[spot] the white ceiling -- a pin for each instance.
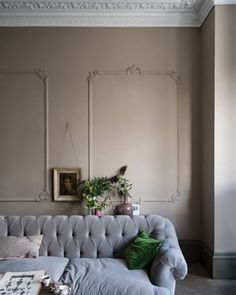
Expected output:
(106, 13)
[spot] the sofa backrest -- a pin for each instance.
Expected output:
(86, 236)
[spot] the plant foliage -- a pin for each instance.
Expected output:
(123, 187)
(95, 189)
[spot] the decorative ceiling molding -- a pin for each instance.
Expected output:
(98, 5)
(225, 2)
(106, 13)
(204, 10)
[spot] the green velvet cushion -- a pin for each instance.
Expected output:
(142, 251)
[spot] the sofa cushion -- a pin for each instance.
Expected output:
(54, 266)
(108, 276)
(14, 246)
(142, 251)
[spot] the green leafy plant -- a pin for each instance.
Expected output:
(123, 187)
(95, 192)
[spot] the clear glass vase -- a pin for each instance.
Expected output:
(91, 211)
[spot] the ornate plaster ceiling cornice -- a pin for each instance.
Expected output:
(106, 13)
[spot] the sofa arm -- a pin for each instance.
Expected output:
(168, 267)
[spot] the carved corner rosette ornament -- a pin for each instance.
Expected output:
(176, 196)
(43, 196)
(92, 76)
(41, 74)
(175, 76)
(133, 70)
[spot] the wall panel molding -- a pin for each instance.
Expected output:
(43, 77)
(135, 70)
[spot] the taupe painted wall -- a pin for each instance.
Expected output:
(218, 129)
(68, 54)
(225, 122)
(208, 102)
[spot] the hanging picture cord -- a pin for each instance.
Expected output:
(67, 129)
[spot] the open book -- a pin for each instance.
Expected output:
(21, 283)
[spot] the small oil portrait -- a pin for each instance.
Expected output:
(68, 184)
(65, 183)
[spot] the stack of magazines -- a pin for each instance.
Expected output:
(21, 283)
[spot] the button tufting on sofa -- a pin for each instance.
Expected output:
(91, 242)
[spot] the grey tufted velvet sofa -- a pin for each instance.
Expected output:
(87, 251)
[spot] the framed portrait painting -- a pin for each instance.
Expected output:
(65, 184)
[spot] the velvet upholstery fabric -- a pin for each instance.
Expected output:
(142, 251)
(108, 276)
(103, 237)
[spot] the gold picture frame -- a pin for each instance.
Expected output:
(65, 184)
